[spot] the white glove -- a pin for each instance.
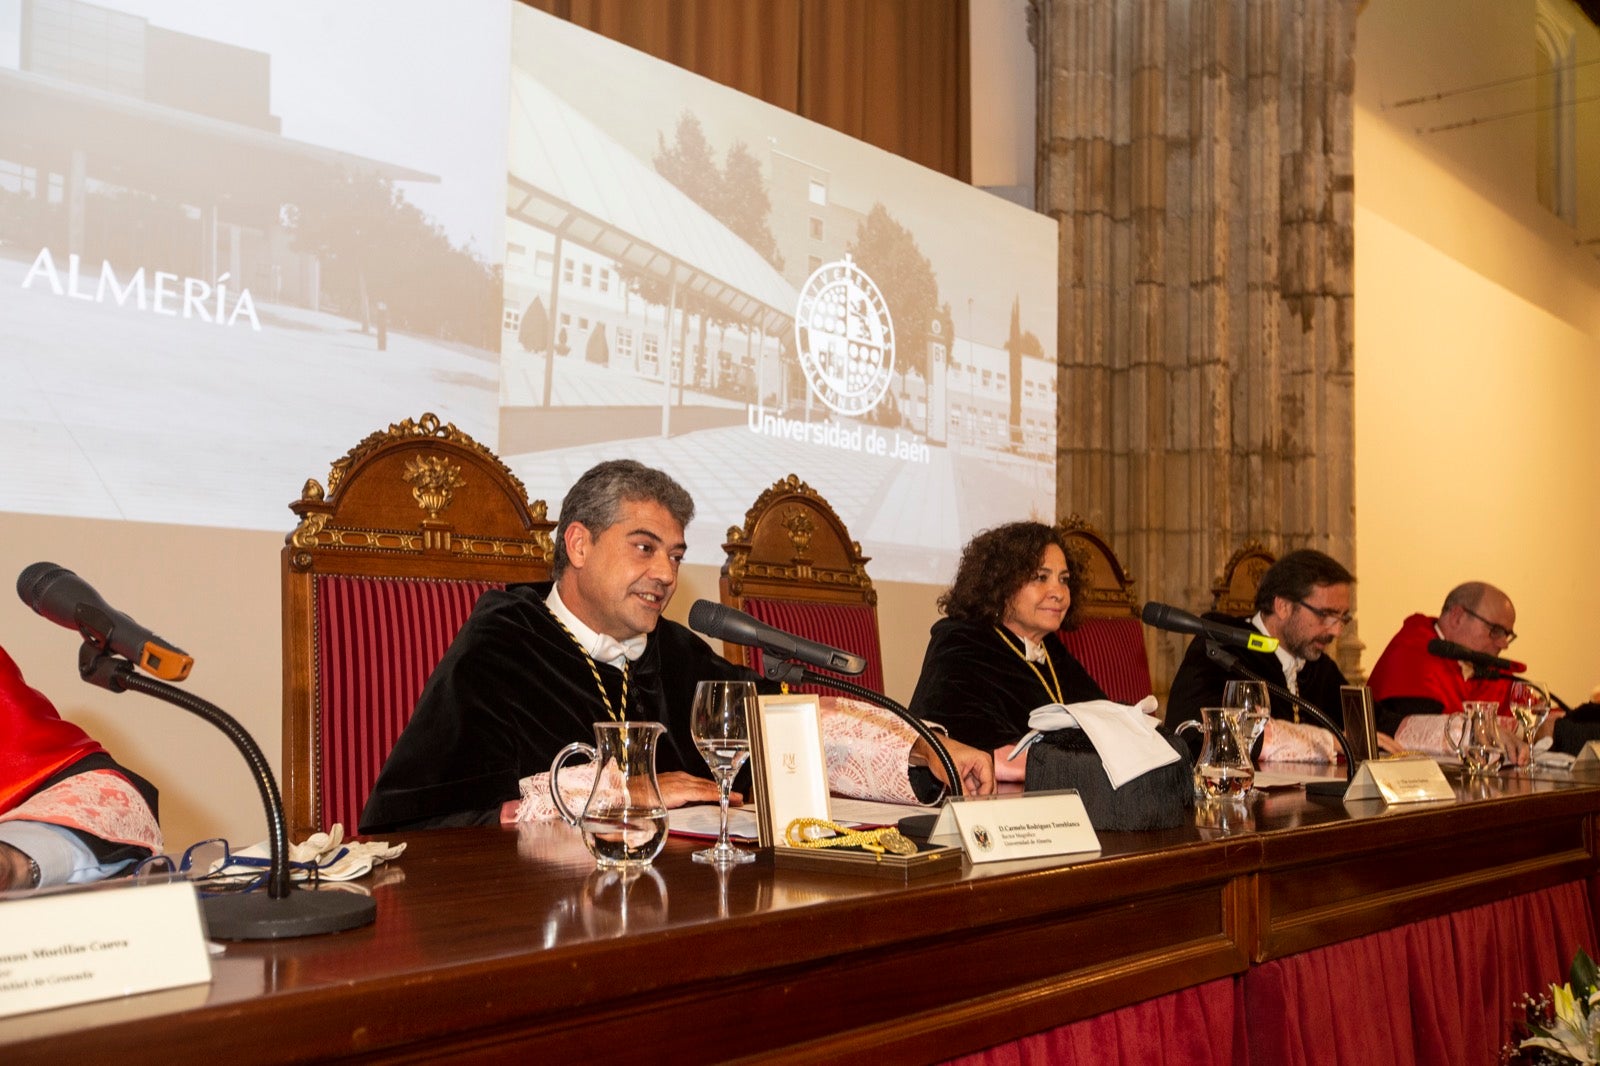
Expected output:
(335, 860)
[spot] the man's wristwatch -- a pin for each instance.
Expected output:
(34, 875)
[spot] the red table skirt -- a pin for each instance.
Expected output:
(1441, 991)
(1198, 1026)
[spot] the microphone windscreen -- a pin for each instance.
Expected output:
(1154, 614)
(705, 616)
(33, 579)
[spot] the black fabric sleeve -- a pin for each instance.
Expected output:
(1198, 683)
(1389, 713)
(982, 691)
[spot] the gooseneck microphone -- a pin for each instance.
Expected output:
(721, 622)
(786, 656)
(1173, 620)
(110, 640)
(68, 600)
(1449, 649)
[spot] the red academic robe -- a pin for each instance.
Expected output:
(1405, 670)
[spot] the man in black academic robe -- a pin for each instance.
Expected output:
(536, 666)
(1199, 681)
(513, 689)
(531, 672)
(1304, 601)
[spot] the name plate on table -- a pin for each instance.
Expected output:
(1027, 826)
(118, 939)
(1588, 759)
(1400, 781)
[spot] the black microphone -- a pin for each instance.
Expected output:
(68, 600)
(1175, 621)
(724, 623)
(1449, 649)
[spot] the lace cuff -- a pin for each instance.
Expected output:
(1286, 741)
(101, 803)
(868, 750)
(536, 804)
(1424, 732)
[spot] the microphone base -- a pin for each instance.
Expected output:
(1331, 788)
(257, 916)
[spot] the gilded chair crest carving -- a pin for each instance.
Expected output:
(419, 504)
(1234, 590)
(793, 554)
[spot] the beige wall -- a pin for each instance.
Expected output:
(1477, 341)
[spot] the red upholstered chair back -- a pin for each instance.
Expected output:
(794, 566)
(1109, 638)
(851, 627)
(382, 570)
(377, 639)
(1112, 650)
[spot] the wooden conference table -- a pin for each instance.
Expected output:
(491, 943)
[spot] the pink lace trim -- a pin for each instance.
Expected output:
(866, 748)
(101, 803)
(1425, 732)
(1286, 741)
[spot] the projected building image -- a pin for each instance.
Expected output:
(697, 279)
(181, 277)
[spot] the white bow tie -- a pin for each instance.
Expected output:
(610, 649)
(1034, 653)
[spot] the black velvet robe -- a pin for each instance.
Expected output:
(1199, 681)
(982, 691)
(512, 690)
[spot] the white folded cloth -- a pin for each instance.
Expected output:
(1124, 735)
(336, 859)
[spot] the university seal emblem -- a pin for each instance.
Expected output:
(845, 337)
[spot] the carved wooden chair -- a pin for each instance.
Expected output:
(1234, 592)
(384, 567)
(1109, 638)
(794, 566)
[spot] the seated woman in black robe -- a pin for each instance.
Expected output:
(995, 656)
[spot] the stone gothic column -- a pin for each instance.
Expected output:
(1197, 156)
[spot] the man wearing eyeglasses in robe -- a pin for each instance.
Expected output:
(1303, 601)
(1412, 688)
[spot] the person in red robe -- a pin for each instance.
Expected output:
(1411, 688)
(68, 812)
(1408, 681)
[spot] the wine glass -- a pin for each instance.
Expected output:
(1530, 706)
(720, 724)
(1252, 706)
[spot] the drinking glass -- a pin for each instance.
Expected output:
(1530, 706)
(720, 723)
(1253, 706)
